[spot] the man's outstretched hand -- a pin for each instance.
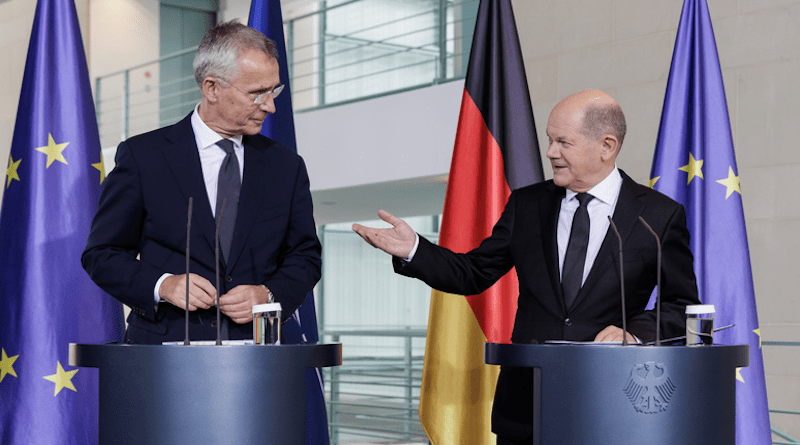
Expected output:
(397, 241)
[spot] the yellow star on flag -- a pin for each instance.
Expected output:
(62, 379)
(739, 375)
(694, 168)
(53, 150)
(652, 182)
(758, 332)
(101, 167)
(11, 171)
(7, 365)
(731, 182)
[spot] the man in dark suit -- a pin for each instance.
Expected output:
(268, 244)
(557, 235)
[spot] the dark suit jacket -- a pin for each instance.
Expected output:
(142, 211)
(525, 237)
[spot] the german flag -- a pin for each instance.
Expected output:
(496, 151)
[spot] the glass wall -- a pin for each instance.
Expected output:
(338, 51)
(380, 317)
(345, 50)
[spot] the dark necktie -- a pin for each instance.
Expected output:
(228, 185)
(575, 258)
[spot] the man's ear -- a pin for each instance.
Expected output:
(211, 89)
(610, 147)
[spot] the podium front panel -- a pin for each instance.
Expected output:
(203, 394)
(601, 394)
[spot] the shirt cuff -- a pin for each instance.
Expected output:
(414, 250)
(158, 286)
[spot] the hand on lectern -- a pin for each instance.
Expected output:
(613, 334)
(397, 240)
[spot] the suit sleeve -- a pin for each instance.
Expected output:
(300, 264)
(465, 273)
(678, 283)
(111, 252)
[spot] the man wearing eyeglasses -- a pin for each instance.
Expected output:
(253, 188)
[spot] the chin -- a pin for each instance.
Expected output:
(560, 181)
(251, 130)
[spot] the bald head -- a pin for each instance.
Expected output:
(586, 131)
(601, 114)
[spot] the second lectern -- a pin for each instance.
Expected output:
(604, 394)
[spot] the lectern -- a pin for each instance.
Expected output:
(609, 394)
(241, 394)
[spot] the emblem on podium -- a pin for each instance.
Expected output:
(649, 387)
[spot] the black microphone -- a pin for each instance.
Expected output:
(216, 256)
(658, 282)
(621, 285)
(188, 240)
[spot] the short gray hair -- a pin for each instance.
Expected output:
(221, 47)
(604, 119)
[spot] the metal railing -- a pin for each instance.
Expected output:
(374, 395)
(788, 439)
(398, 46)
(337, 53)
(783, 434)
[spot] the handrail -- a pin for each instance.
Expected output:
(775, 430)
(420, 46)
(376, 332)
(780, 343)
(159, 60)
(381, 392)
(783, 434)
(322, 10)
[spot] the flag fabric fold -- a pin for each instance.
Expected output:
(53, 181)
(694, 163)
(301, 328)
(495, 151)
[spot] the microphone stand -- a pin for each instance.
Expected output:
(621, 284)
(216, 255)
(658, 282)
(188, 241)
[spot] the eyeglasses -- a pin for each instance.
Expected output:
(259, 98)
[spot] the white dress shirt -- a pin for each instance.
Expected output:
(600, 208)
(211, 157)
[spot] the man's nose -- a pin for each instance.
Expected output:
(268, 104)
(552, 151)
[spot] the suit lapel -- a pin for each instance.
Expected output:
(183, 159)
(549, 208)
(626, 216)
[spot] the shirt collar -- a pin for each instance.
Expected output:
(607, 190)
(204, 135)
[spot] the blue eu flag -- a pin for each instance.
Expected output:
(265, 16)
(694, 164)
(52, 185)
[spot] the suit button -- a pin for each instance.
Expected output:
(229, 278)
(568, 322)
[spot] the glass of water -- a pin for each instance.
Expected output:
(700, 324)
